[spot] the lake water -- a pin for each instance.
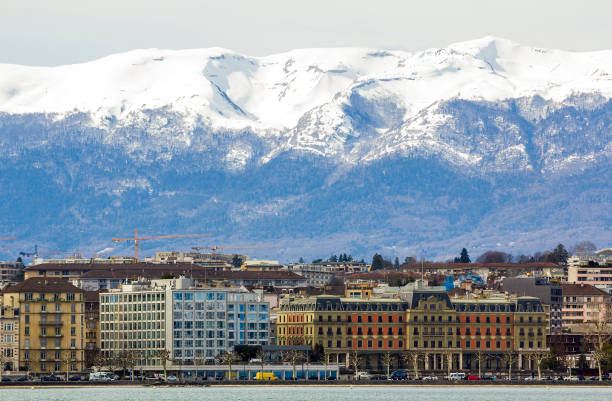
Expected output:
(313, 393)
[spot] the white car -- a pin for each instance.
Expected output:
(362, 376)
(430, 378)
(172, 378)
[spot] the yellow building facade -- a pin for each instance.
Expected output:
(51, 324)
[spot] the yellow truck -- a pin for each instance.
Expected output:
(265, 376)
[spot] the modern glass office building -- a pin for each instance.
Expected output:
(196, 324)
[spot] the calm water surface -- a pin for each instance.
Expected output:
(311, 393)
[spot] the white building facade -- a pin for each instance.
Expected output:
(193, 324)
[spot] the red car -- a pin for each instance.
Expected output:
(474, 378)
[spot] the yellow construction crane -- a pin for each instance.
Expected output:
(137, 239)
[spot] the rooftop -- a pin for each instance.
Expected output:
(582, 289)
(42, 284)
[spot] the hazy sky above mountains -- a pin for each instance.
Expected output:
(44, 32)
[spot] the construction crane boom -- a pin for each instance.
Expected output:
(8, 238)
(213, 249)
(137, 239)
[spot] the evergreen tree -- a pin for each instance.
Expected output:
(332, 258)
(560, 254)
(301, 260)
(349, 258)
(464, 258)
(377, 262)
(237, 261)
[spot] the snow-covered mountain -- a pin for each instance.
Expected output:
(282, 148)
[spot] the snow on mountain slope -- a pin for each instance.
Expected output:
(233, 91)
(475, 144)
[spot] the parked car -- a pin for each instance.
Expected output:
(172, 378)
(486, 377)
(473, 377)
(362, 375)
(456, 376)
(6, 379)
(430, 378)
(23, 379)
(74, 378)
(50, 378)
(378, 377)
(399, 375)
(331, 378)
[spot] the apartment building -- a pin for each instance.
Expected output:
(583, 303)
(190, 322)
(9, 339)
(443, 330)
(550, 293)
(595, 272)
(50, 314)
(10, 273)
(134, 318)
(92, 326)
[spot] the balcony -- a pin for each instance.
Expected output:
(51, 323)
(51, 335)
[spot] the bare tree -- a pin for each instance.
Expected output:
(449, 361)
(227, 358)
(481, 357)
(386, 360)
(122, 362)
(261, 355)
(510, 359)
(131, 358)
(412, 357)
(325, 362)
(99, 361)
(197, 361)
(537, 357)
(164, 357)
(293, 356)
(67, 359)
(583, 248)
(3, 360)
(598, 333)
(355, 362)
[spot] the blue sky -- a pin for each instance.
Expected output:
(55, 32)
